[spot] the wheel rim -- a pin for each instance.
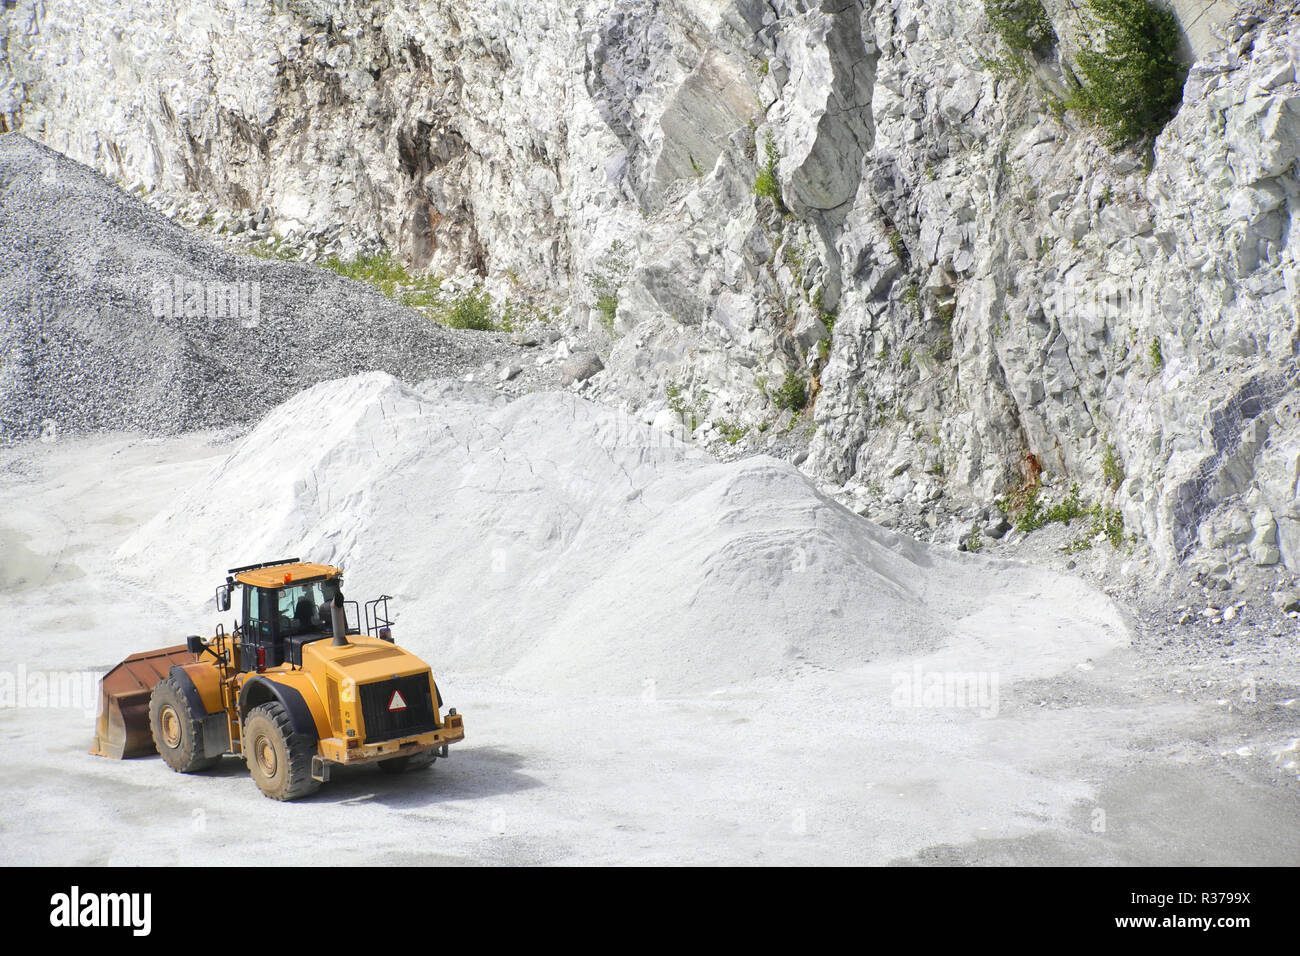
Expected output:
(171, 728)
(267, 760)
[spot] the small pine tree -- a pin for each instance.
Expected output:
(766, 184)
(1132, 73)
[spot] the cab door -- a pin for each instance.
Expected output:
(259, 628)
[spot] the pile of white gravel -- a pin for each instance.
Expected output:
(558, 542)
(112, 316)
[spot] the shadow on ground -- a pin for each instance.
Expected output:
(471, 773)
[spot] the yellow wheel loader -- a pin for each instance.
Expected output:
(296, 688)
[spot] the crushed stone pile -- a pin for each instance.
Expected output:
(561, 543)
(112, 316)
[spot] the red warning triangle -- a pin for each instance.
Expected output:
(396, 702)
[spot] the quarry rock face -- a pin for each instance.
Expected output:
(977, 293)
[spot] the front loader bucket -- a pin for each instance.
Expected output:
(122, 727)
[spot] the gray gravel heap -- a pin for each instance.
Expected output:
(88, 275)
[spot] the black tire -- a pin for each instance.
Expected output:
(418, 761)
(177, 731)
(278, 759)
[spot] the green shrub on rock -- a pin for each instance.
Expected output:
(1131, 71)
(1023, 24)
(792, 395)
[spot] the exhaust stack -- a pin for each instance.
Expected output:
(338, 621)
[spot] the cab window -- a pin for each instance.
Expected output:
(301, 608)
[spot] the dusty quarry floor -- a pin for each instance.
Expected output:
(1089, 754)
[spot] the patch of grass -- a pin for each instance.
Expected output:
(792, 395)
(1110, 522)
(1106, 522)
(1067, 509)
(272, 249)
(607, 281)
(1079, 544)
(897, 245)
(381, 271)
(732, 430)
(607, 306)
(422, 299)
(1024, 509)
(1132, 72)
(691, 413)
(945, 313)
(766, 184)
(468, 310)
(472, 310)
(1157, 357)
(676, 400)
(1023, 25)
(973, 541)
(517, 314)
(794, 257)
(1029, 512)
(1111, 469)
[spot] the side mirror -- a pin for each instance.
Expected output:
(223, 598)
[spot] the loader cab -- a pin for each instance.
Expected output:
(283, 607)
